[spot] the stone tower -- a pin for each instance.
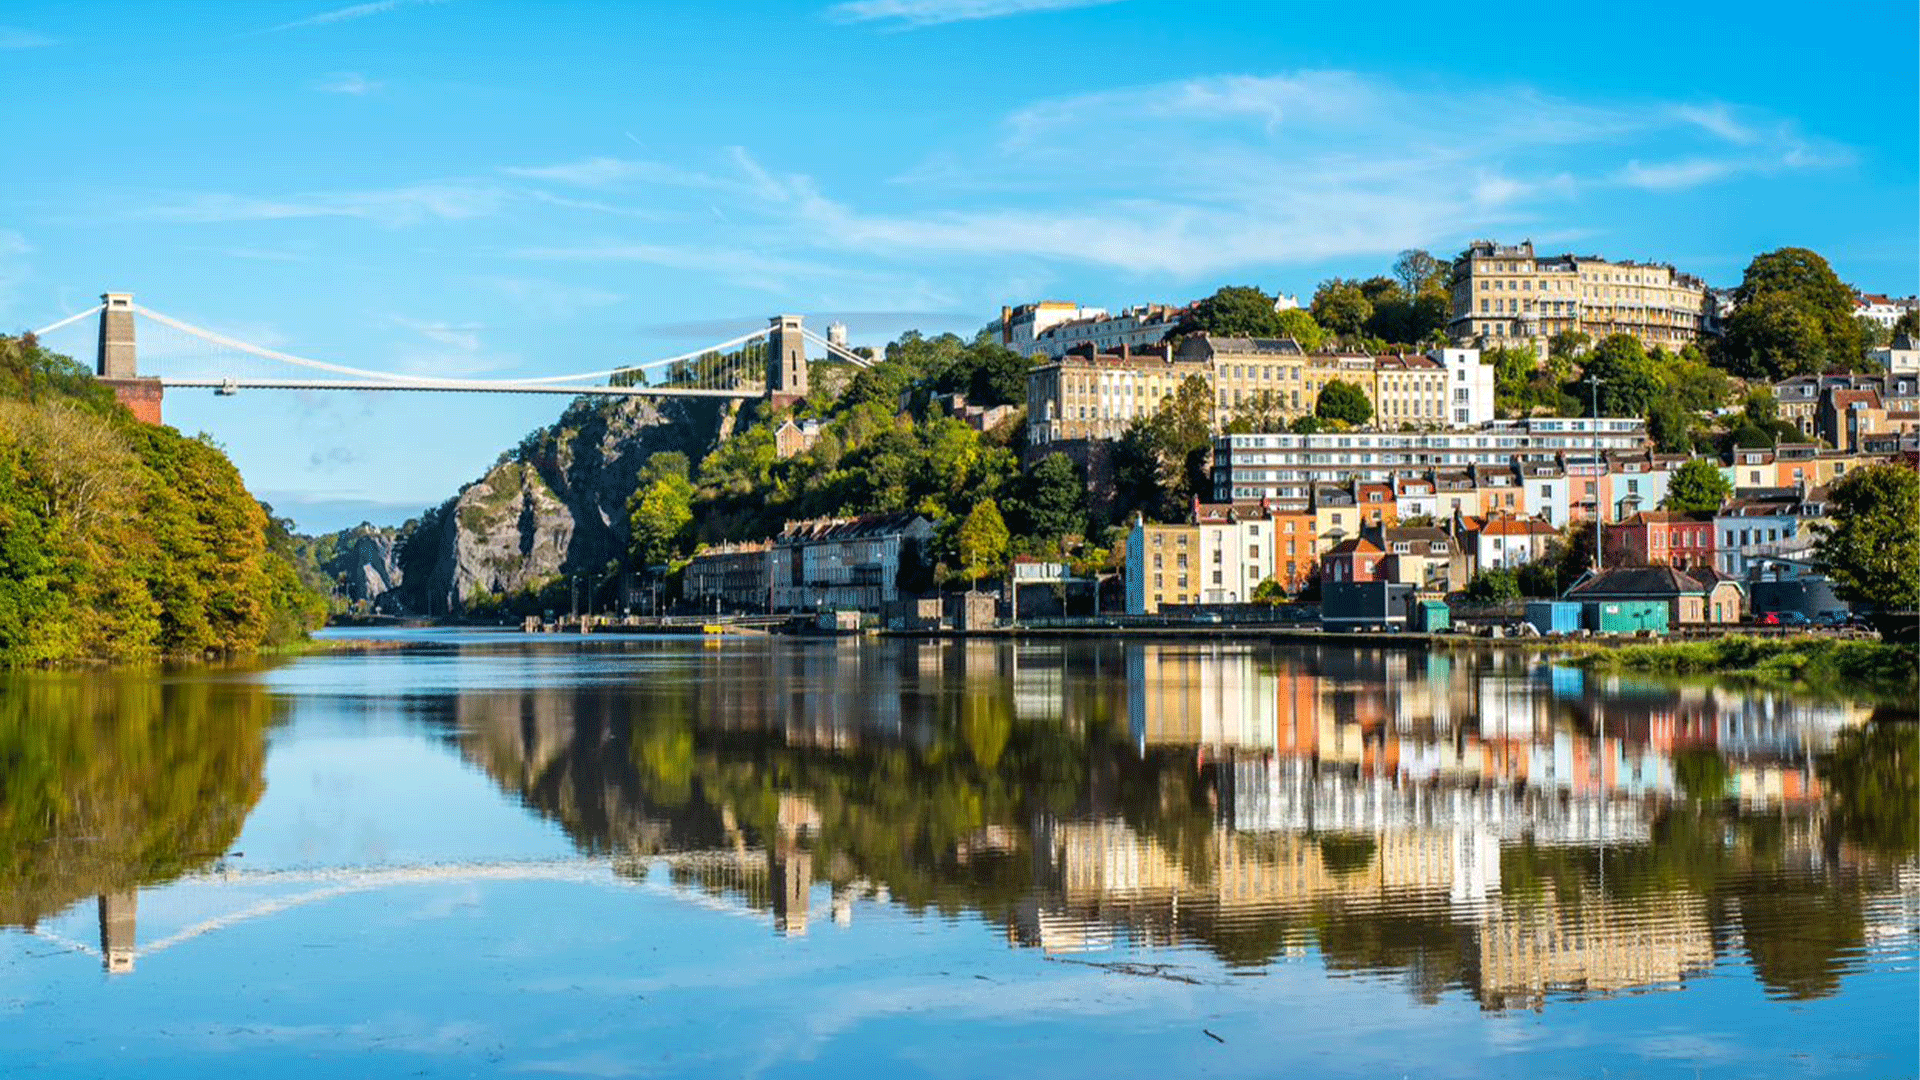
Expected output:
(786, 360)
(117, 364)
(116, 359)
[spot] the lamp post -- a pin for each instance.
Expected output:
(1599, 473)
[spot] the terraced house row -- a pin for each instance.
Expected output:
(1095, 395)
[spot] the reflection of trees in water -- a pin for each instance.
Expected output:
(937, 787)
(1874, 774)
(110, 782)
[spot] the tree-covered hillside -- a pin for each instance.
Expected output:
(126, 541)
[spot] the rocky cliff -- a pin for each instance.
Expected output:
(553, 506)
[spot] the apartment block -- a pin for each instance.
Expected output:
(1284, 467)
(1508, 296)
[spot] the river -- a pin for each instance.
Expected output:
(488, 854)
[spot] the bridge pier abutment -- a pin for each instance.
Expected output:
(117, 364)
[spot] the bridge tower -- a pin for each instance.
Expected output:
(118, 913)
(117, 364)
(786, 361)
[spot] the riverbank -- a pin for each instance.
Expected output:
(1852, 665)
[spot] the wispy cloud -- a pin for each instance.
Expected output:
(1675, 175)
(391, 207)
(1251, 171)
(912, 13)
(550, 299)
(13, 37)
(351, 83)
(348, 14)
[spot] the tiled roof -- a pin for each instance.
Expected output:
(1638, 581)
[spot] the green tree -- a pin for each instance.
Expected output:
(1343, 401)
(1670, 426)
(1872, 334)
(1568, 344)
(1538, 579)
(660, 511)
(1493, 586)
(982, 541)
(1630, 380)
(1340, 306)
(1235, 311)
(1872, 547)
(1697, 485)
(1049, 500)
(1908, 324)
(1305, 425)
(1269, 592)
(1418, 271)
(1297, 324)
(1792, 316)
(1163, 459)
(1513, 372)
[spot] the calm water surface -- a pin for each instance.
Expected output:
(494, 855)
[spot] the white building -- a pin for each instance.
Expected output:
(844, 564)
(1284, 466)
(1021, 326)
(1900, 358)
(1140, 327)
(1469, 386)
(1884, 310)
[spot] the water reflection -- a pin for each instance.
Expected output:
(1476, 822)
(109, 784)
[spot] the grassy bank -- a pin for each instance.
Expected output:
(1863, 667)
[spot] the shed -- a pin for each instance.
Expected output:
(1554, 616)
(1433, 616)
(1626, 616)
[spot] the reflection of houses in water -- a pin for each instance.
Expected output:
(1104, 875)
(1416, 717)
(1595, 944)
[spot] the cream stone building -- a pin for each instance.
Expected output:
(1507, 296)
(1081, 396)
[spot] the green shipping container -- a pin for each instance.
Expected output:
(1626, 616)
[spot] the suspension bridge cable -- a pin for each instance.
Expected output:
(68, 321)
(683, 357)
(848, 355)
(272, 354)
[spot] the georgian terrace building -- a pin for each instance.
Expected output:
(1086, 395)
(1507, 296)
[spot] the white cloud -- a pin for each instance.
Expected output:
(550, 299)
(351, 83)
(1674, 175)
(391, 207)
(13, 37)
(911, 13)
(348, 14)
(1236, 171)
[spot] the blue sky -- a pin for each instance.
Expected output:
(496, 189)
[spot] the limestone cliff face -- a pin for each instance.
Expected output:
(554, 505)
(365, 566)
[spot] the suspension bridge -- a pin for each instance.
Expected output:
(770, 362)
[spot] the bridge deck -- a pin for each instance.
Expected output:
(451, 386)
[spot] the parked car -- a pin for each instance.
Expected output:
(1837, 620)
(1794, 619)
(1767, 618)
